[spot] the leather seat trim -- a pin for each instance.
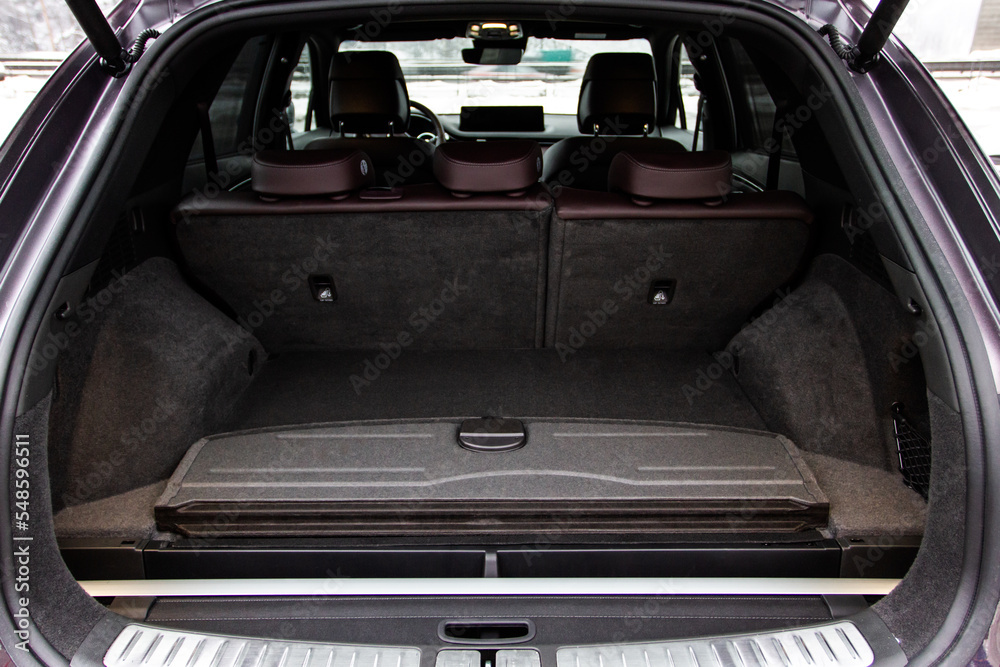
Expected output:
(575, 204)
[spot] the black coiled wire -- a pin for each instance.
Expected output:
(843, 48)
(139, 45)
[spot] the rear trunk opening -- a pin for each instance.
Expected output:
(382, 389)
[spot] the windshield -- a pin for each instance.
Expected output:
(548, 75)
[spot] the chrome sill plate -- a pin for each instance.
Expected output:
(155, 647)
(838, 643)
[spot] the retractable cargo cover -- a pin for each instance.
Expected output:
(411, 478)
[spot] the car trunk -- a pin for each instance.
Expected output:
(780, 451)
(420, 441)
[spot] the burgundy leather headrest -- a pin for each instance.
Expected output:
(700, 175)
(367, 92)
(488, 166)
(302, 173)
(618, 94)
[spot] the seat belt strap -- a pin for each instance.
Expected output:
(289, 143)
(777, 136)
(207, 141)
(680, 107)
(697, 121)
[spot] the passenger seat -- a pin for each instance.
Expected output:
(669, 258)
(617, 99)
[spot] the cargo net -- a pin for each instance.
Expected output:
(914, 450)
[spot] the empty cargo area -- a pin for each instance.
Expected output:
(172, 423)
(186, 423)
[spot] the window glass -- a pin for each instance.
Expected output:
(761, 106)
(689, 94)
(231, 112)
(548, 75)
(301, 87)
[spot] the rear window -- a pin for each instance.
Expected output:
(548, 75)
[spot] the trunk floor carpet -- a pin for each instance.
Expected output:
(413, 478)
(302, 388)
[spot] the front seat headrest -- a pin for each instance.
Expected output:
(368, 93)
(618, 94)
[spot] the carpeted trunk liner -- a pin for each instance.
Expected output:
(311, 387)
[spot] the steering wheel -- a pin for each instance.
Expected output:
(439, 136)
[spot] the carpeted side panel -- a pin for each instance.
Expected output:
(804, 368)
(155, 369)
(63, 612)
(126, 515)
(866, 501)
(918, 606)
(889, 341)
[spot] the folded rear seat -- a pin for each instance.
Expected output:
(668, 258)
(314, 258)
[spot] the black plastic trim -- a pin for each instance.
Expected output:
(96, 559)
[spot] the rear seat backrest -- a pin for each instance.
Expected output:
(419, 266)
(670, 223)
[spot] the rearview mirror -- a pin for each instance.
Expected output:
(492, 55)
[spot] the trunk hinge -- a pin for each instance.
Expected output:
(115, 59)
(867, 53)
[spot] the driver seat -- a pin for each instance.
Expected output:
(368, 99)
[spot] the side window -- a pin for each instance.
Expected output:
(759, 126)
(300, 111)
(689, 93)
(231, 112)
